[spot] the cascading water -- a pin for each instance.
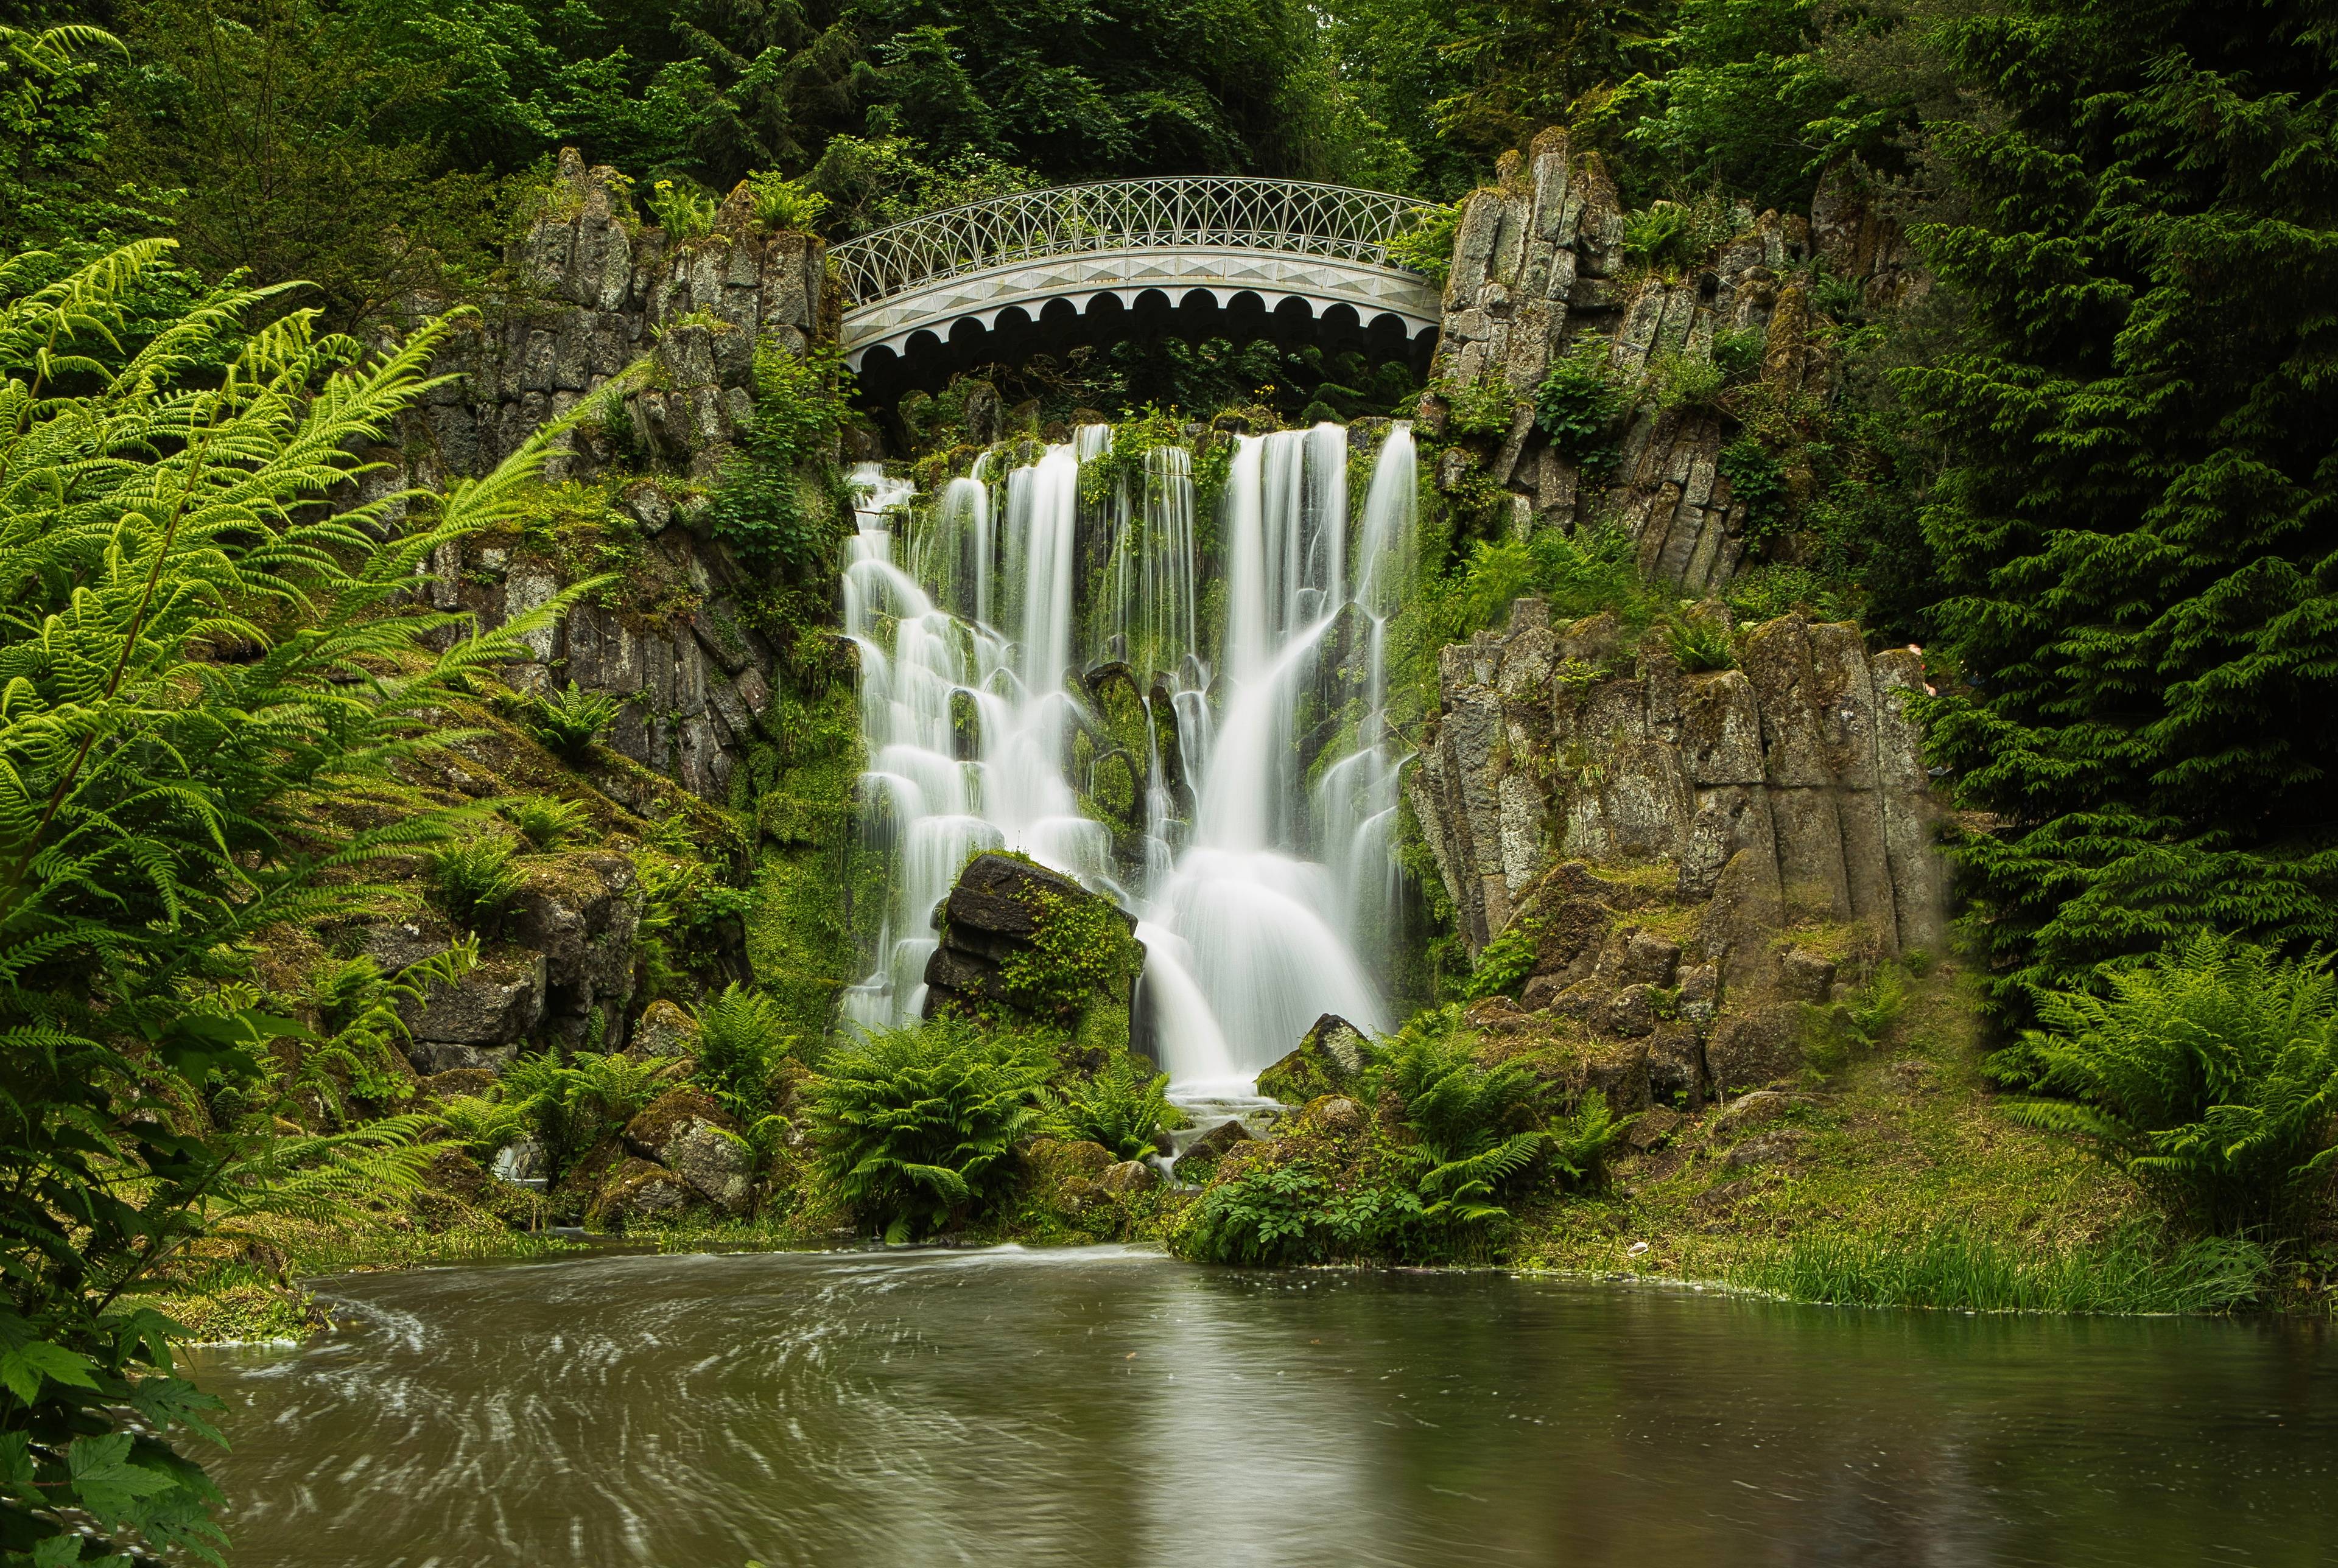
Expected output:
(1262, 902)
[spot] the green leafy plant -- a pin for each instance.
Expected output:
(1659, 236)
(1700, 642)
(1578, 404)
(780, 503)
(164, 808)
(742, 1036)
(1124, 1107)
(1684, 381)
(483, 1125)
(2208, 1074)
(1756, 484)
(570, 719)
(1504, 963)
(1483, 408)
(785, 205)
(1474, 1127)
(574, 1105)
(682, 211)
(545, 821)
(475, 881)
(1081, 947)
(1279, 1215)
(1427, 245)
(914, 1125)
(1952, 1267)
(1738, 352)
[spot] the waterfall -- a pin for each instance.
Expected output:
(990, 623)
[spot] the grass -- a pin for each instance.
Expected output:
(1906, 1177)
(1950, 1266)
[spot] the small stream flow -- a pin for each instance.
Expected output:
(991, 623)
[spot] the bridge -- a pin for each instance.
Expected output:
(1217, 255)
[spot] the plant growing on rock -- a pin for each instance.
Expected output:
(682, 209)
(475, 881)
(1700, 642)
(547, 823)
(1122, 1107)
(2209, 1075)
(742, 1036)
(914, 1125)
(785, 205)
(569, 721)
(1579, 404)
(1475, 1128)
(1080, 946)
(574, 1105)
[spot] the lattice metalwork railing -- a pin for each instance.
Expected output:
(1196, 211)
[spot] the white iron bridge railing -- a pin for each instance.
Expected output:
(1202, 211)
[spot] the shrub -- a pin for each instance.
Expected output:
(780, 501)
(1480, 408)
(785, 205)
(475, 881)
(1684, 381)
(1739, 352)
(1505, 962)
(684, 212)
(914, 1125)
(1122, 1107)
(547, 823)
(1658, 236)
(742, 1035)
(482, 1125)
(570, 721)
(572, 1105)
(1474, 1127)
(1700, 642)
(1291, 1214)
(1756, 484)
(1427, 246)
(1577, 406)
(1080, 948)
(2209, 1075)
(1579, 1142)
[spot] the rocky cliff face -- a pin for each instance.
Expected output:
(1787, 794)
(677, 326)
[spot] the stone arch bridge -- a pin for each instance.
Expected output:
(1205, 255)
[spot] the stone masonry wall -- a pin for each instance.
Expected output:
(1790, 788)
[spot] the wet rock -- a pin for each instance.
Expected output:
(494, 1005)
(1329, 1058)
(634, 1191)
(698, 1141)
(522, 1160)
(1335, 1116)
(1213, 1143)
(1128, 1177)
(991, 914)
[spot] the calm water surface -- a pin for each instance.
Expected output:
(1108, 1408)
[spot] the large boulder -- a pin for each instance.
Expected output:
(1328, 1060)
(994, 914)
(1213, 1143)
(479, 1019)
(1748, 1050)
(633, 1191)
(582, 912)
(700, 1141)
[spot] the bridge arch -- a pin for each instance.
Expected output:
(1210, 254)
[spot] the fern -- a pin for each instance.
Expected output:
(742, 1036)
(1121, 1108)
(204, 644)
(2210, 1075)
(475, 881)
(547, 823)
(915, 1124)
(571, 720)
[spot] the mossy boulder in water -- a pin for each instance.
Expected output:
(1021, 941)
(1327, 1061)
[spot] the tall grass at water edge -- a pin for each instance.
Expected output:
(1951, 1267)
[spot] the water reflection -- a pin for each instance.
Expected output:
(1107, 1406)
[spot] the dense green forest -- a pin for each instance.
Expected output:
(2089, 467)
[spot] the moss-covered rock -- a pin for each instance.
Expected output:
(1330, 1059)
(1021, 941)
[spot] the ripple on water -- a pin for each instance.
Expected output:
(1105, 1405)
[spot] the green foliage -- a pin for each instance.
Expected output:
(682, 209)
(1579, 406)
(1661, 237)
(1482, 407)
(2138, 582)
(1738, 351)
(1683, 381)
(1081, 950)
(780, 502)
(546, 821)
(483, 1125)
(569, 721)
(1121, 1107)
(162, 808)
(785, 205)
(1700, 642)
(1951, 1267)
(913, 1126)
(1475, 1128)
(1756, 484)
(573, 1106)
(475, 881)
(742, 1037)
(1290, 1214)
(2209, 1075)
(1426, 246)
(1504, 963)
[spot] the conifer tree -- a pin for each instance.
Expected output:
(2139, 538)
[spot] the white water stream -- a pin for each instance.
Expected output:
(1262, 902)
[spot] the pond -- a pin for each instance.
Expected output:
(1109, 1407)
